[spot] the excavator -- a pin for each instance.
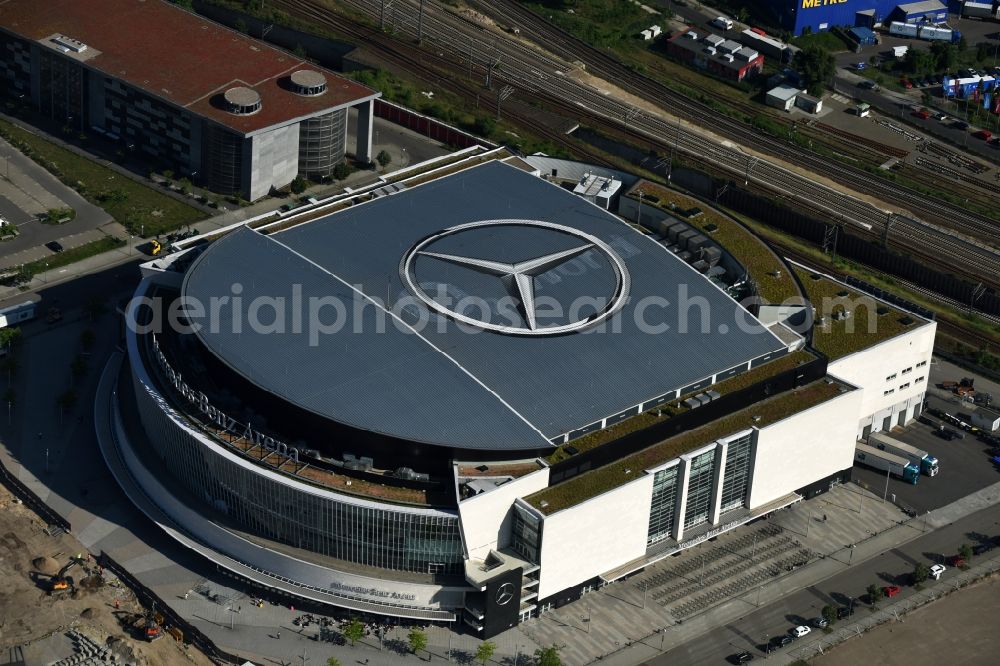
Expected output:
(61, 582)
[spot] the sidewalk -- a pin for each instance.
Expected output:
(812, 574)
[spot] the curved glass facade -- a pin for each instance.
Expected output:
(266, 504)
(322, 143)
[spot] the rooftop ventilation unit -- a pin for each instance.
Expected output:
(242, 101)
(308, 82)
(69, 44)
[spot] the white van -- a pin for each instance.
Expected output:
(722, 23)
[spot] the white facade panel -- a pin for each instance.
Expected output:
(274, 160)
(892, 376)
(486, 518)
(595, 536)
(804, 448)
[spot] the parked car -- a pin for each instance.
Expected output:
(55, 246)
(960, 124)
(781, 641)
(981, 548)
(906, 83)
(800, 631)
(740, 657)
(819, 622)
(948, 434)
(985, 135)
(937, 570)
(923, 114)
(956, 561)
(891, 590)
(860, 65)
(844, 612)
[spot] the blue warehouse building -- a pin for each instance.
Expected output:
(800, 16)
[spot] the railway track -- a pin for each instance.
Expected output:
(883, 148)
(546, 77)
(460, 44)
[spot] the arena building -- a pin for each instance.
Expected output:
(471, 396)
(800, 16)
(187, 94)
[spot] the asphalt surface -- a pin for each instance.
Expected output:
(892, 567)
(964, 468)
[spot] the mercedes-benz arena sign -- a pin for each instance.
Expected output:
(519, 278)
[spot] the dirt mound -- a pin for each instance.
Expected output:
(46, 565)
(88, 613)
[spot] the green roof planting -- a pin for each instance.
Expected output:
(591, 484)
(870, 321)
(762, 264)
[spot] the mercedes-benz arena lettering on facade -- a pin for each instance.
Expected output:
(409, 406)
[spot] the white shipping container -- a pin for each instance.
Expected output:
(902, 29)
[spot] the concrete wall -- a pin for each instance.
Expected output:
(595, 536)
(486, 518)
(274, 160)
(804, 448)
(872, 370)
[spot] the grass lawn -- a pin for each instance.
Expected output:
(129, 202)
(75, 254)
(827, 40)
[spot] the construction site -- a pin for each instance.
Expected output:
(59, 606)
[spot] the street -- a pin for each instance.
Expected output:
(756, 628)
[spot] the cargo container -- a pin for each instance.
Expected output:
(981, 10)
(900, 29)
(928, 464)
(886, 462)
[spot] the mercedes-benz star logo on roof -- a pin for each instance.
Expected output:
(519, 278)
(505, 593)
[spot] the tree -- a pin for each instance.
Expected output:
(78, 367)
(829, 614)
(485, 651)
(65, 401)
(300, 51)
(341, 171)
(920, 573)
(354, 630)
(383, 158)
(95, 307)
(418, 639)
(743, 15)
(919, 61)
(817, 65)
(548, 656)
(945, 55)
(874, 594)
(241, 26)
(184, 184)
(87, 339)
(299, 185)
(965, 550)
(10, 338)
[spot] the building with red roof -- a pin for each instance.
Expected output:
(226, 109)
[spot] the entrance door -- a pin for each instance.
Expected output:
(902, 418)
(867, 431)
(887, 423)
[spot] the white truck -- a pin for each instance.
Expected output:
(927, 463)
(886, 462)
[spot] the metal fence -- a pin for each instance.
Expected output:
(894, 611)
(33, 501)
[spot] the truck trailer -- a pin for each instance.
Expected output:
(886, 462)
(927, 463)
(981, 10)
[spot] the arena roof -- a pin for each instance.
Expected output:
(542, 372)
(178, 56)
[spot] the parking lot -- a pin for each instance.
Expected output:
(965, 467)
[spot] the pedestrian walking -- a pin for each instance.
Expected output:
(278, 635)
